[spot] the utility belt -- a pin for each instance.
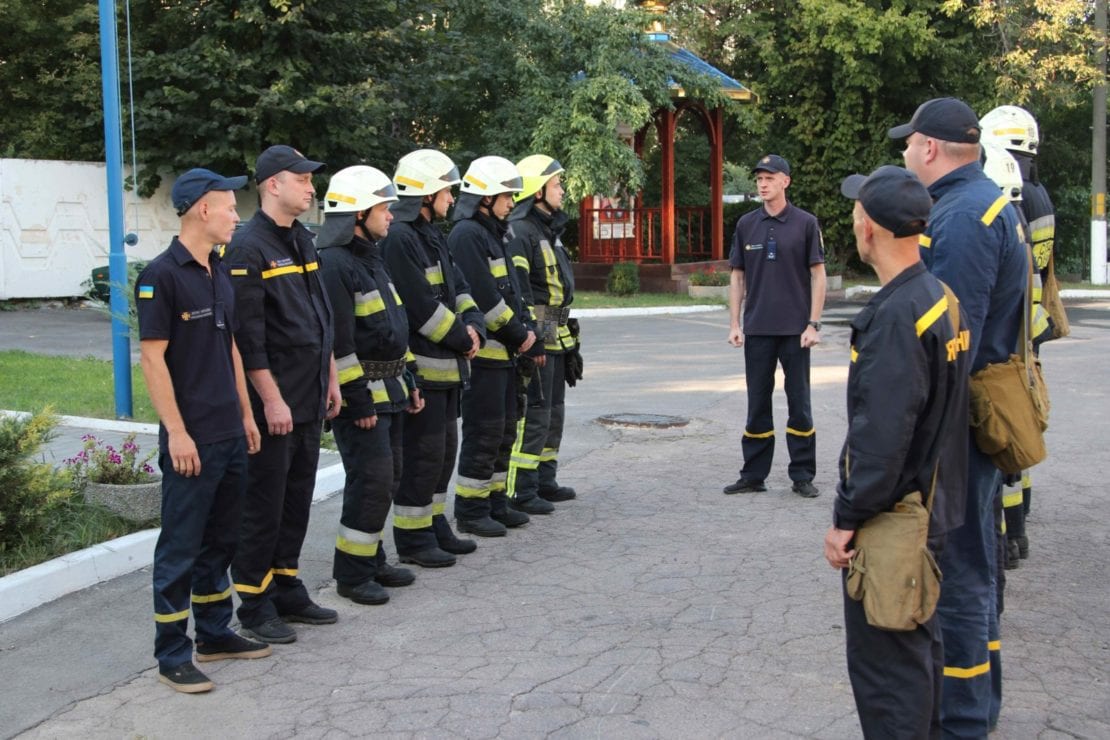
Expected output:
(558, 315)
(382, 369)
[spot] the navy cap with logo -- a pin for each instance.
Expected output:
(947, 119)
(772, 163)
(893, 197)
(192, 186)
(280, 158)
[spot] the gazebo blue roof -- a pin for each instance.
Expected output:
(729, 86)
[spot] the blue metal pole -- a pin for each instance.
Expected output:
(117, 260)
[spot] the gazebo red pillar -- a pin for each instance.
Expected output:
(666, 124)
(716, 182)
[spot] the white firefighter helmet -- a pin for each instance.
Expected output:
(1000, 166)
(425, 172)
(358, 188)
(491, 176)
(1014, 127)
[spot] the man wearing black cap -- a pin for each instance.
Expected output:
(285, 334)
(194, 375)
(972, 244)
(907, 416)
(775, 301)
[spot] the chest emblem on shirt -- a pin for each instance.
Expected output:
(752, 247)
(285, 262)
(197, 313)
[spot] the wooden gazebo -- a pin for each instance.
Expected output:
(611, 231)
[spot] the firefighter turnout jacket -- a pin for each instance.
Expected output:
(544, 272)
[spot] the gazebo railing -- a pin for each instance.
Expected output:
(636, 234)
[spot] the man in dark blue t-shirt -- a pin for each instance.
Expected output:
(195, 378)
(775, 301)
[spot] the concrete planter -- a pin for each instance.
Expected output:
(834, 282)
(136, 502)
(708, 291)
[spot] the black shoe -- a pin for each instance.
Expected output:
(532, 506)
(447, 540)
(392, 576)
(1013, 555)
(433, 557)
(484, 527)
(805, 489)
(186, 679)
(1023, 546)
(745, 486)
(510, 517)
(232, 646)
(555, 495)
(272, 630)
(313, 614)
(364, 593)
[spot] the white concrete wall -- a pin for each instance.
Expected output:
(54, 225)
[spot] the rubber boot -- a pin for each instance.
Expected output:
(447, 540)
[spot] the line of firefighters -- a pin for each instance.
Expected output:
(428, 327)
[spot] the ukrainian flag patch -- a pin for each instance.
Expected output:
(146, 291)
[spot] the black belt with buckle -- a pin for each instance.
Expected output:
(382, 369)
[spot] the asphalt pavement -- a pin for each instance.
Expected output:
(653, 606)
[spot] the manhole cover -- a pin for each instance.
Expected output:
(643, 421)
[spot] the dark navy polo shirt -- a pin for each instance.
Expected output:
(178, 301)
(777, 292)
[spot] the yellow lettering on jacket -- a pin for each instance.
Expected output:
(958, 344)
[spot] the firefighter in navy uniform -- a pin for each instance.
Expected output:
(907, 421)
(1017, 131)
(285, 335)
(445, 330)
(547, 281)
(371, 344)
(490, 405)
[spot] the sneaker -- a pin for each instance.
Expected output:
(186, 679)
(555, 495)
(745, 486)
(484, 527)
(232, 646)
(363, 593)
(272, 631)
(805, 489)
(313, 614)
(532, 506)
(510, 517)
(392, 576)
(433, 557)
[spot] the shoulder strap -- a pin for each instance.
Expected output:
(953, 308)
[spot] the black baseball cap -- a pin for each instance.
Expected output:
(280, 158)
(947, 119)
(893, 197)
(772, 163)
(192, 185)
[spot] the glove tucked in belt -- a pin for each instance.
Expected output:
(382, 369)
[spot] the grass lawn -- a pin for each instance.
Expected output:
(73, 387)
(598, 299)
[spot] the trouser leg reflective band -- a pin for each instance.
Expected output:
(484, 410)
(426, 437)
(368, 461)
(555, 384)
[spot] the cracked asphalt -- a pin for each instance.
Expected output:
(653, 606)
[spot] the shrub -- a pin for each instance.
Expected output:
(624, 279)
(30, 489)
(710, 277)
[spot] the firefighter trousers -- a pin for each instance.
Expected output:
(372, 464)
(200, 516)
(276, 507)
(534, 459)
(968, 612)
(489, 416)
(761, 356)
(429, 441)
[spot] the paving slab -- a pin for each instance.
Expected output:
(653, 606)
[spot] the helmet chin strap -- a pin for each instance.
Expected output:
(429, 202)
(360, 223)
(486, 204)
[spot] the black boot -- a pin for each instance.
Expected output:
(391, 575)
(484, 527)
(557, 494)
(500, 511)
(433, 557)
(447, 540)
(363, 593)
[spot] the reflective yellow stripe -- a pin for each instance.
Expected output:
(925, 241)
(855, 354)
(175, 617)
(498, 316)
(554, 284)
(287, 270)
(396, 295)
(439, 503)
(212, 598)
(378, 392)
(1026, 480)
(402, 180)
(939, 309)
(548, 454)
(797, 433)
(475, 181)
(1010, 500)
(348, 368)
(759, 435)
(369, 303)
(994, 645)
(493, 350)
(412, 517)
(358, 549)
(979, 670)
(238, 271)
(464, 302)
(245, 589)
(434, 275)
(991, 214)
(521, 262)
(285, 571)
(497, 268)
(471, 488)
(341, 198)
(438, 324)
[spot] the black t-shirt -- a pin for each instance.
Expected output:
(178, 301)
(775, 253)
